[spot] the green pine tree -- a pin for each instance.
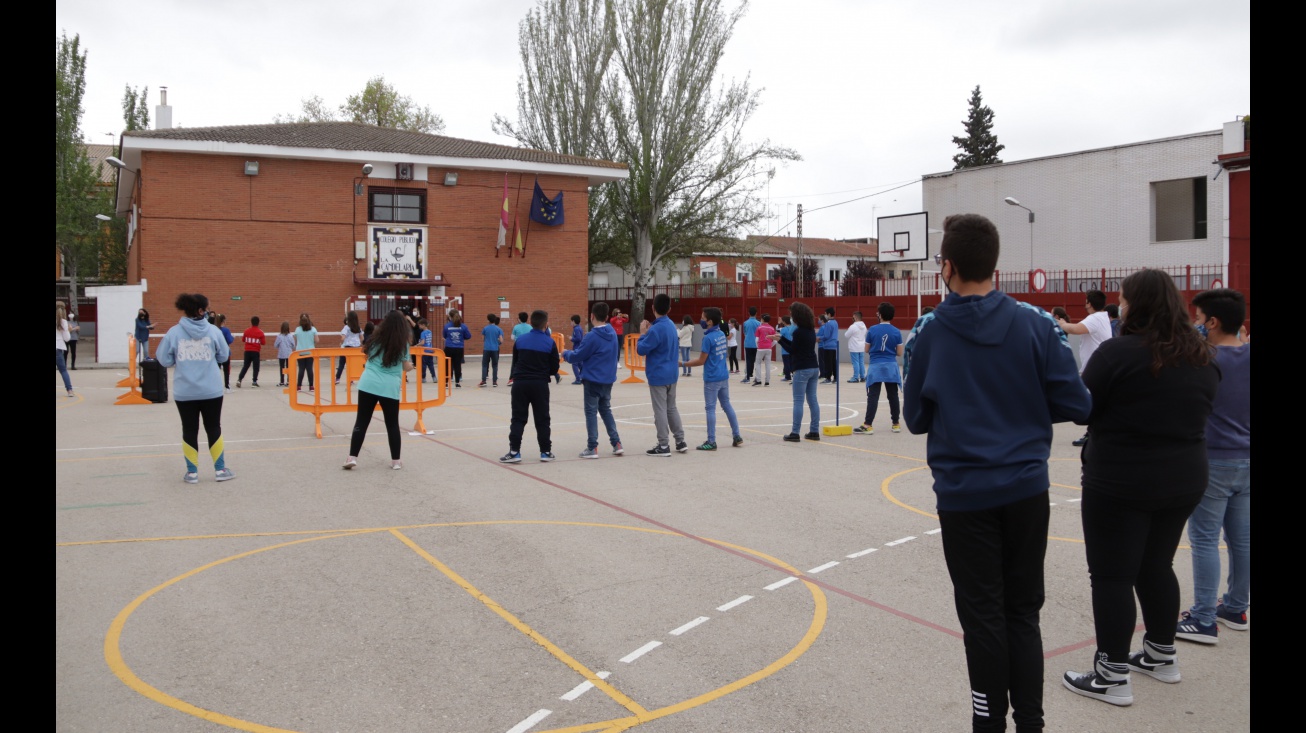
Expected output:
(979, 146)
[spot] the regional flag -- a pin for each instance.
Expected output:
(520, 247)
(503, 219)
(546, 211)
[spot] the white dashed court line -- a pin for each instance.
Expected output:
(736, 602)
(895, 543)
(534, 718)
(867, 551)
(781, 583)
(935, 531)
(641, 651)
(682, 629)
(1072, 501)
(583, 687)
(819, 568)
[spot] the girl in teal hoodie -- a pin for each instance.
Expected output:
(195, 349)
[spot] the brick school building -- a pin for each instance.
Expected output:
(281, 219)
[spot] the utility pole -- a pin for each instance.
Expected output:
(798, 272)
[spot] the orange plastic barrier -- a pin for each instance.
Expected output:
(560, 342)
(132, 397)
(634, 360)
(342, 400)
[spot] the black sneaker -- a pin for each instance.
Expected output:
(738, 441)
(511, 456)
(1080, 441)
(792, 438)
(659, 450)
(1156, 662)
(1107, 682)
(813, 436)
(1236, 621)
(1190, 629)
(707, 445)
(682, 446)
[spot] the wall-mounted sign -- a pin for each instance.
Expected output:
(398, 252)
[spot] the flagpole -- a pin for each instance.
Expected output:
(515, 225)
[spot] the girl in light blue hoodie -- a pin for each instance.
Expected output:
(195, 348)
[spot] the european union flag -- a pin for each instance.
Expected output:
(546, 211)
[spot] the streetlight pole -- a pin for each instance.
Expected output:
(1014, 202)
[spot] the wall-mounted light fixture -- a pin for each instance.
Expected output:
(358, 185)
(251, 167)
(451, 178)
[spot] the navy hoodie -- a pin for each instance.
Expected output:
(989, 376)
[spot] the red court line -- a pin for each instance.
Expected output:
(696, 538)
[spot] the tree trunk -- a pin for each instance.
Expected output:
(643, 271)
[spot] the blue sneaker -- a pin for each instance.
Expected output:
(1236, 621)
(546, 457)
(511, 456)
(225, 474)
(1190, 629)
(191, 477)
(589, 453)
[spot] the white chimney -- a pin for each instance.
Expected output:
(162, 112)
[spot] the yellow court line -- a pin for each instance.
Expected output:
(113, 650)
(621, 698)
(845, 447)
(80, 399)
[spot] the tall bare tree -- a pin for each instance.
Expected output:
(635, 81)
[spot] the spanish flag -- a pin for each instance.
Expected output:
(503, 219)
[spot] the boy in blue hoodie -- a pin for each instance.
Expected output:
(195, 349)
(659, 344)
(597, 360)
(577, 335)
(988, 379)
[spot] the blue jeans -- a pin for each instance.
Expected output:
(63, 369)
(598, 401)
(684, 356)
(805, 387)
(713, 391)
(1228, 504)
(488, 358)
(859, 368)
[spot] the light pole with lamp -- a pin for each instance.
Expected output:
(1013, 202)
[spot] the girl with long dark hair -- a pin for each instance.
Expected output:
(1144, 471)
(195, 349)
(456, 334)
(351, 336)
(801, 345)
(381, 384)
(61, 346)
(305, 338)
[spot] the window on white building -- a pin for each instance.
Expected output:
(1179, 209)
(836, 275)
(599, 280)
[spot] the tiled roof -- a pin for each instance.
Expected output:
(780, 246)
(358, 136)
(97, 154)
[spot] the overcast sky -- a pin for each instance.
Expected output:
(870, 93)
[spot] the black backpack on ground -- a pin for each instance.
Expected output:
(154, 381)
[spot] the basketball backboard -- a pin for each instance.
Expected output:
(903, 237)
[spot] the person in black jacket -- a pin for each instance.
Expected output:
(534, 362)
(802, 346)
(1145, 470)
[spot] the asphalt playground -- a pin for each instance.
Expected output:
(776, 587)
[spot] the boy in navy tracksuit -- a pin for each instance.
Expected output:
(577, 335)
(597, 356)
(989, 377)
(534, 363)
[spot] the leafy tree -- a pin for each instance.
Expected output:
(787, 274)
(135, 113)
(979, 146)
(75, 179)
(860, 277)
(378, 104)
(635, 81)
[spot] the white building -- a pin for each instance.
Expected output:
(1157, 203)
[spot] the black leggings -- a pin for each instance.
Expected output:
(455, 363)
(829, 363)
(873, 401)
(191, 411)
(367, 403)
(72, 354)
(1130, 544)
(734, 358)
(282, 365)
(226, 373)
(305, 367)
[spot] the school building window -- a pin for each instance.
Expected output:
(743, 272)
(396, 205)
(707, 271)
(1179, 209)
